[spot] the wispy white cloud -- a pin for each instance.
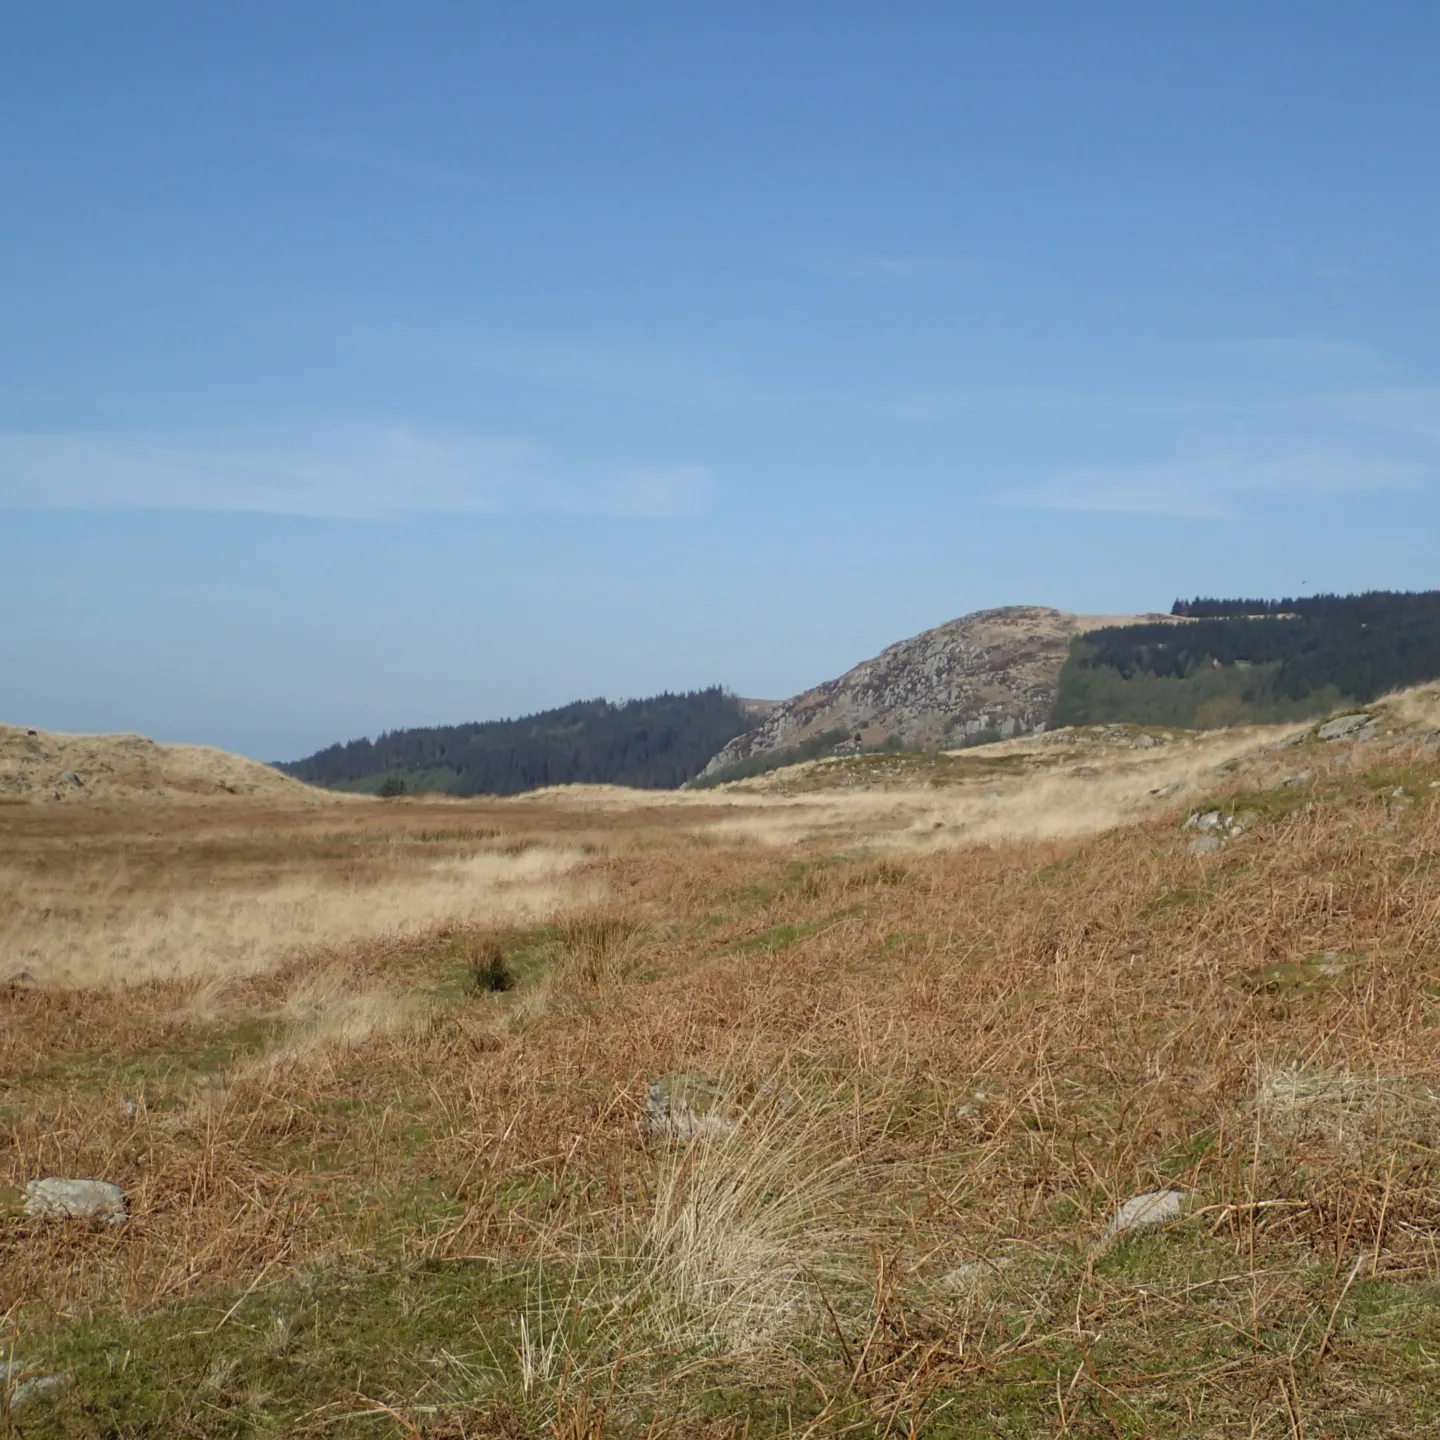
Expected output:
(350, 472)
(635, 372)
(1212, 486)
(1331, 426)
(1307, 357)
(1408, 412)
(348, 156)
(1033, 403)
(890, 269)
(669, 491)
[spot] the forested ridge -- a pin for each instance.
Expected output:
(1237, 661)
(656, 743)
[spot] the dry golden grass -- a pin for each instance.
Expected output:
(982, 1048)
(100, 896)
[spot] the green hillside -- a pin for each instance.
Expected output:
(657, 743)
(1234, 662)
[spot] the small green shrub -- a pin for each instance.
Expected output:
(490, 970)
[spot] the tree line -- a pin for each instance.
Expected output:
(655, 743)
(1248, 660)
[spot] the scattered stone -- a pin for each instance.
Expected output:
(1210, 820)
(990, 795)
(977, 1099)
(1145, 1212)
(71, 778)
(972, 1279)
(61, 1199)
(1165, 791)
(1205, 844)
(1314, 972)
(36, 1388)
(1288, 743)
(682, 1108)
(1359, 726)
(1143, 742)
(1435, 784)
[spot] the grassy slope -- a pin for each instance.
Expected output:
(391, 1220)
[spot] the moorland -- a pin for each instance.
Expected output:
(390, 1089)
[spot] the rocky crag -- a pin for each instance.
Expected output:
(990, 673)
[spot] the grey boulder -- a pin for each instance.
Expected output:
(1359, 726)
(55, 1198)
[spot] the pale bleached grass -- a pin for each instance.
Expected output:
(1096, 790)
(750, 1235)
(324, 1010)
(96, 930)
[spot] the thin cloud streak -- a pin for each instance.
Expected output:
(1307, 357)
(352, 472)
(1210, 487)
(1323, 431)
(604, 369)
(890, 269)
(378, 162)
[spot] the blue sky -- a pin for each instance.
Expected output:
(364, 366)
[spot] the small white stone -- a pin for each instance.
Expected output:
(1146, 1212)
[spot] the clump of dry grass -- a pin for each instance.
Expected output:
(749, 1236)
(596, 947)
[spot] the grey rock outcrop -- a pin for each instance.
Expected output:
(991, 673)
(1360, 726)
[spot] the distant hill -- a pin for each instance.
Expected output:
(983, 677)
(658, 743)
(47, 767)
(1251, 661)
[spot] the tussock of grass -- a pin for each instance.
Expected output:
(596, 947)
(747, 1234)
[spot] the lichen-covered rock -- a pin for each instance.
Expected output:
(682, 1108)
(56, 1198)
(38, 1387)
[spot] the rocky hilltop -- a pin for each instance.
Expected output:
(993, 672)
